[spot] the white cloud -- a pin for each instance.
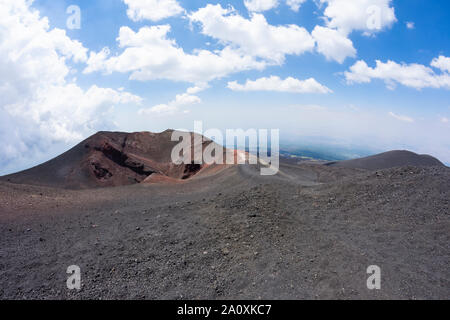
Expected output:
(401, 117)
(153, 10)
(442, 63)
(274, 83)
(265, 5)
(332, 44)
(369, 16)
(160, 109)
(410, 25)
(260, 5)
(411, 75)
(295, 4)
(444, 120)
(96, 60)
(39, 106)
(173, 107)
(150, 55)
(255, 36)
(249, 44)
(199, 87)
(186, 99)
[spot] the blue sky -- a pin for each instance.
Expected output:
(350, 101)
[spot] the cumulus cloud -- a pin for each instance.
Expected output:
(260, 5)
(369, 16)
(442, 63)
(173, 107)
(153, 10)
(413, 75)
(401, 117)
(410, 25)
(333, 44)
(160, 109)
(96, 60)
(255, 36)
(248, 44)
(265, 5)
(199, 87)
(274, 83)
(295, 4)
(150, 55)
(37, 101)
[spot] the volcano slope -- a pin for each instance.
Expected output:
(310, 232)
(389, 159)
(109, 159)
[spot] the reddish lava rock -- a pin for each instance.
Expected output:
(109, 159)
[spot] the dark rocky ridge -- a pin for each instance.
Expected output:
(109, 159)
(391, 159)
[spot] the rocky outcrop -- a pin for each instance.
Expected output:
(109, 159)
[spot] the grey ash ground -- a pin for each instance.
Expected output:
(308, 233)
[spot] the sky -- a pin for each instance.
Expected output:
(362, 75)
